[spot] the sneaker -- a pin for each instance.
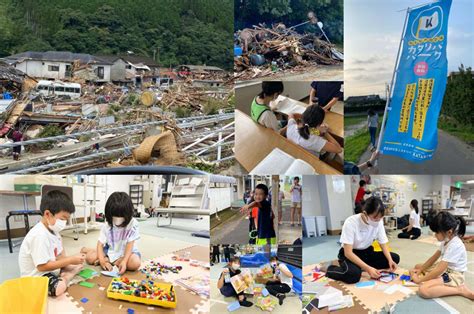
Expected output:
(280, 297)
(245, 303)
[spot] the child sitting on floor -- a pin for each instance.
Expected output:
(42, 252)
(224, 285)
(260, 111)
(282, 280)
(118, 238)
(265, 226)
(311, 133)
(445, 277)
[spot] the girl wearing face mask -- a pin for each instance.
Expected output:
(443, 273)
(357, 253)
(413, 230)
(265, 221)
(260, 111)
(223, 284)
(117, 245)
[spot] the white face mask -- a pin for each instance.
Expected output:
(372, 222)
(274, 264)
(118, 221)
(235, 266)
(58, 226)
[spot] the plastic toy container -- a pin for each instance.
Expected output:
(167, 288)
(24, 295)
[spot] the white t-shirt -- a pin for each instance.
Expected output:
(361, 235)
(416, 219)
(454, 252)
(39, 247)
(269, 120)
(117, 238)
(296, 194)
(314, 143)
(284, 278)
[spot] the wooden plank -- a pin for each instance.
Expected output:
(253, 142)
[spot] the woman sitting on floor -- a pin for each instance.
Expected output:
(413, 230)
(357, 253)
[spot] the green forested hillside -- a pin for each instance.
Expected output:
(175, 31)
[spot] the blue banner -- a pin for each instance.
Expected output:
(411, 131)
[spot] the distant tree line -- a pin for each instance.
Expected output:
(458, 102)
(172, 31)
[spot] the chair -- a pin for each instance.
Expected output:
(25, 214)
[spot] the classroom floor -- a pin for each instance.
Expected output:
(154, 242)
(219, 302)
(324, 249)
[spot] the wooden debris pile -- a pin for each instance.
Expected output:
(270, 50)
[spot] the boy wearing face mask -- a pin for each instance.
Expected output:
(117, 245)
(282, 280)
(357, 253)
(260, 111)
(223, 284)
(42, 252)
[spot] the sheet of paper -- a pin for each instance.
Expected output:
(365, 284)
(277, 162)
(299, 167)
(287, 105)
(392, 289)
(196, 181)
(332, 296)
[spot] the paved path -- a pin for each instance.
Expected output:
(452, 156)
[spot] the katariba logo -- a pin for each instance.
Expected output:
(428, 23)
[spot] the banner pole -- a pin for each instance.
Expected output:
(390, 91)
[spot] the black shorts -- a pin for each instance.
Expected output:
(53, 283)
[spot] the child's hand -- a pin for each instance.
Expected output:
(415, 278)
(393, 266)
(244, 209)
(122, 267)
(373, 273)
(77, 259)
(323, 128)
(106, 265)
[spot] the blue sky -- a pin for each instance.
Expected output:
(372, 31)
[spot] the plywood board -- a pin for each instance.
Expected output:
(253, 142)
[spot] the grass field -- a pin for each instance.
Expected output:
(463, 132)
(356, 145)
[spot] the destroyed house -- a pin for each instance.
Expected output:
(141, 69)
(10, 77)
(193, 70)
(61, 65)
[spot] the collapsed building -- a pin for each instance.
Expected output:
(86, 111)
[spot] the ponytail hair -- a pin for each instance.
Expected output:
(444, 221)
(313, 116)
(414, 204)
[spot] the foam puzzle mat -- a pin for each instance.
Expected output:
(80, 299)
(371, 299)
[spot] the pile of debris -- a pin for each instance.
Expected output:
(265, 51)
